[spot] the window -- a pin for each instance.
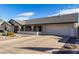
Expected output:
(40, 28)
(37, 28)
(5, 28)
(16, 28)
(22, 28)
(27, 28)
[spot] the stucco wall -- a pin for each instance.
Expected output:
(60, 29)
(68, 29)
(29, 32)
(8, 27)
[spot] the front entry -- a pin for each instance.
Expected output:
(37, 28)
(16, 28)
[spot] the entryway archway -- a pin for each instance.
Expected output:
(16, 28)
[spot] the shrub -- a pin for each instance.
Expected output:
(70, 46)
(10, 34)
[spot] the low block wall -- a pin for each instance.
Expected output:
(29, 32)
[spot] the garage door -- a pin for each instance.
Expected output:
(60, 29)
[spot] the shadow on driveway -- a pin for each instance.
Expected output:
(42, 49)
(66, 52)
(66, 40)
(70, 40)
(37, 48)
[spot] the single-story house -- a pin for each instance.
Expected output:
(1, 26)
(66, 25)
(6, 26)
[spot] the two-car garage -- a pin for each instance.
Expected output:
(59, 29)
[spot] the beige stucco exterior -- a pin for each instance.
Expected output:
(8, 27)
(60, 29)
(66, 25)
(66, 29)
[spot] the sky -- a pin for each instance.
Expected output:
(31, 11)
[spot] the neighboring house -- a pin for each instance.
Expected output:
(6, 26)
(15, 25)
(1, 29)
(66, 25)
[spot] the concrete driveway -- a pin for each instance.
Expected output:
(31, 45)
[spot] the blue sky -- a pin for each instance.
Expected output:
(29, 11)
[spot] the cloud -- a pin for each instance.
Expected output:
(53, 15)
(26, 14)
(66, 11)
(21, 18)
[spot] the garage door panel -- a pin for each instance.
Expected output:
(60, 29)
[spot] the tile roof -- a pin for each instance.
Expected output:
(53, 19)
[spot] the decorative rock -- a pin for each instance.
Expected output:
(69, 46)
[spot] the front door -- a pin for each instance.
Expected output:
(16, 28)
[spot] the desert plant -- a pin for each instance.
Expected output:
(10, 34)
(70, 46)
